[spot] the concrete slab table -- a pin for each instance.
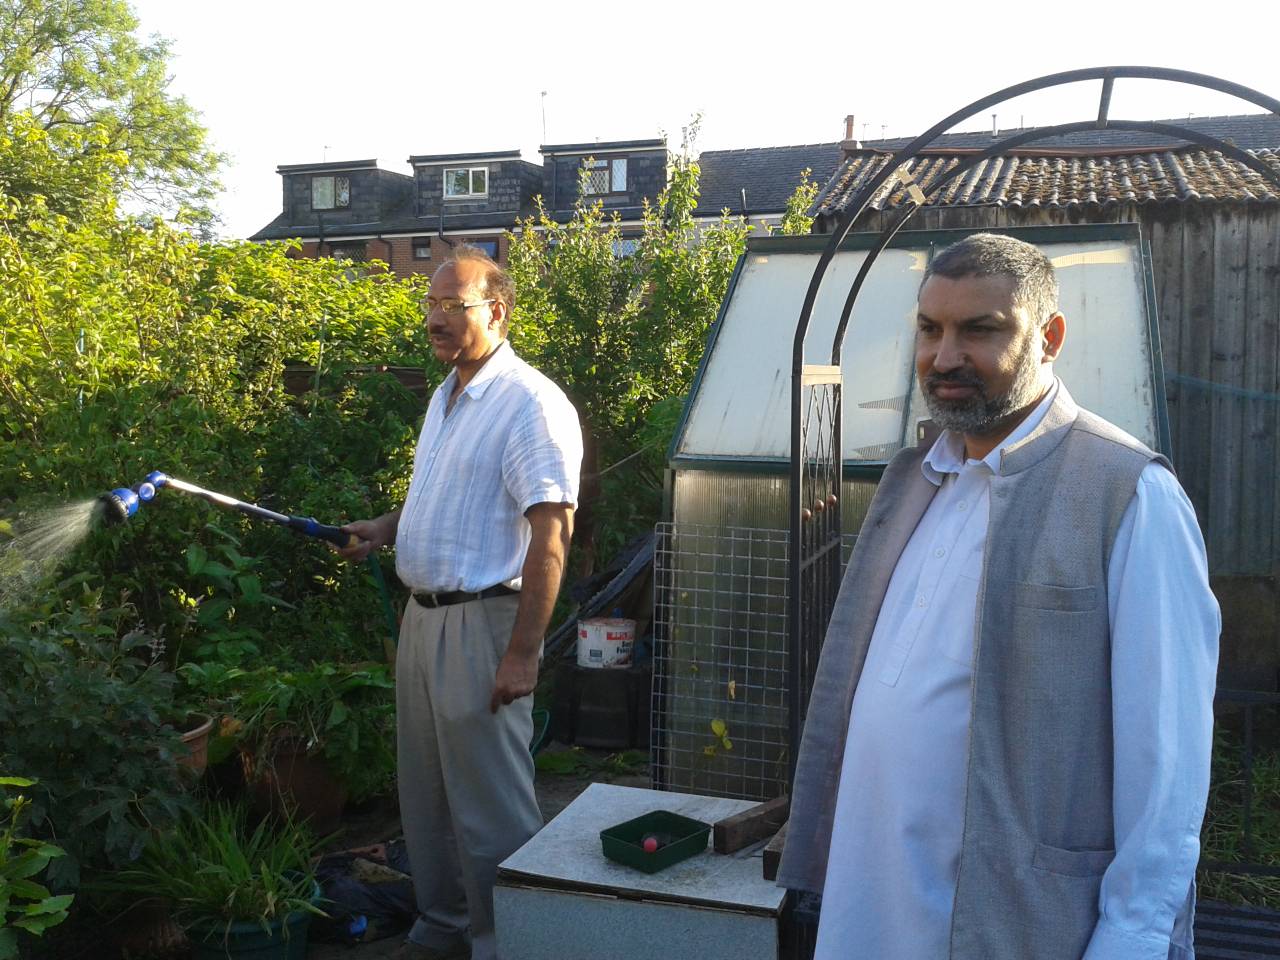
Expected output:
(558, 898)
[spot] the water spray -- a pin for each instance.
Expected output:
(123, 502)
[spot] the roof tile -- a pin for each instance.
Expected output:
(1053, 182)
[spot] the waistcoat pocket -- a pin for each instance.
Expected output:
(1071, 863)
(1043, 596)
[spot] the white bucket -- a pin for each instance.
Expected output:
(605, 642)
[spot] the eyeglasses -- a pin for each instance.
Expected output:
(452, 305)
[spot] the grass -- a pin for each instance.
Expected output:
(1222, 837)
(215, 867)
(576, 762)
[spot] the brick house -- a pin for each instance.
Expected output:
(356, 210)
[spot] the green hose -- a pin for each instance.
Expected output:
(393, 627)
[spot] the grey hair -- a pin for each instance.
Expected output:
(992, 254)
(497, 282)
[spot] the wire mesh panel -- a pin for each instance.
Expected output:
(720, 704)
(815, 578)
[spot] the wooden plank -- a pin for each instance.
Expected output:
(1227, 405)
(773, 853)
(1260, 457)
(1165, 239)
(743, 829)
(1195, 360)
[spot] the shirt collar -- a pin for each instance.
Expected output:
(947, 453)
(501, 360)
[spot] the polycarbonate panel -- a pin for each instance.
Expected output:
(741, 406)
(733, 499)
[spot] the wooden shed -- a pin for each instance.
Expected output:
(1213, 228)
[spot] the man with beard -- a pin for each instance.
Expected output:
(481, 543)
(1006, 755)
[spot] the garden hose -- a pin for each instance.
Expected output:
(393, 627)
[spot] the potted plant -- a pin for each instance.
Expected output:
(235, 889)
(313, 737)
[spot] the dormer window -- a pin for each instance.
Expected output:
(466, 182)
(605, 176)
(330, 193)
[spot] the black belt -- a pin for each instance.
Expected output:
(461, 596)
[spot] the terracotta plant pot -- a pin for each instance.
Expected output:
(196, 741)
(286, 779)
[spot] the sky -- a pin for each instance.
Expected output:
(281, 81)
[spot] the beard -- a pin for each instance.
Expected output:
(981, 414)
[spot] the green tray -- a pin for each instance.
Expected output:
(679, 838)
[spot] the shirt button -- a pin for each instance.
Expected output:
(920, 601)
(940, 552)
(961, 505)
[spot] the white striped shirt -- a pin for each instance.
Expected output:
(512, 440)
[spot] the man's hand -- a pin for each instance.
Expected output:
(551, 527)
(517, 676)
(373, 534)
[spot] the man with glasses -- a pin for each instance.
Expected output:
(481, 541)
(1006, 754)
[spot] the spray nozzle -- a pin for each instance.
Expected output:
(123, 502)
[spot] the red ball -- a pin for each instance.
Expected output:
(650, 844)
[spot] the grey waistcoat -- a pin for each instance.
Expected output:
(1038, 805)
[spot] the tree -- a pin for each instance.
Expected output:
(796, 221)
(75, 69)
(621, 324)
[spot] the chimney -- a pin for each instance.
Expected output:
(995, 130)
(848, 127)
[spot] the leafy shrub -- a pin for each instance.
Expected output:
(82, 713)
(25, 904)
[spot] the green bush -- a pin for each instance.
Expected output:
(25, 903)
(83, 713)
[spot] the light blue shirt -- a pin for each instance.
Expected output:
(511, 441)
(895, 846)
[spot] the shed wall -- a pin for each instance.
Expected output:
(1217, 287)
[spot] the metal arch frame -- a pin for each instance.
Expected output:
(798, 673)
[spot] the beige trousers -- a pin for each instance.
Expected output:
(465, 774)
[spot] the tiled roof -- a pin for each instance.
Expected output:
(1063, 180)
(769, 175)
(1249, 131)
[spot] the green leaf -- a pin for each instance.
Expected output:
(49, 905)
(718, 727)
(211, 611)
(28, 889)
(197, 558)
(250, 587)
(16, 782)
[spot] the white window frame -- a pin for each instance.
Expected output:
(471, 183)
(333, 191)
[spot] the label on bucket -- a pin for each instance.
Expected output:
(605, 642)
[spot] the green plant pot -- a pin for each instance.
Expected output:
(248, 940)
